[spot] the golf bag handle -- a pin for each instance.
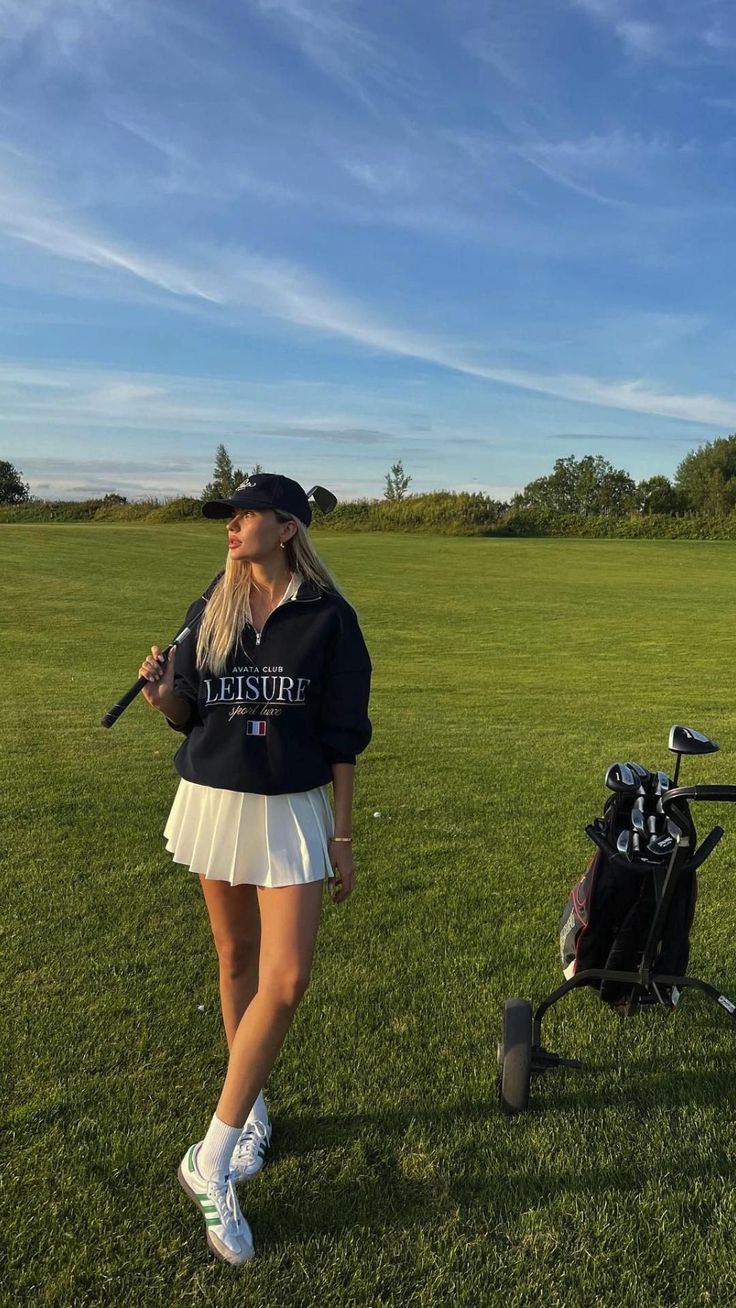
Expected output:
(724, 794)
(706, 849)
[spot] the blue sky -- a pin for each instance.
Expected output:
(334, 233)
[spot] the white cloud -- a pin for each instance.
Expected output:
(344, 50)
(66, 397)
(535, 158)
(719, 37)
(669, 32)
(66, 31)
(642, 37)
(238, 279)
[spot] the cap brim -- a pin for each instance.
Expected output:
(218, 509)
(226, 508)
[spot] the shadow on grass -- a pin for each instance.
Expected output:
(483, 1179)
(645, 1085)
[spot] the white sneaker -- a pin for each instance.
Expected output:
(228, 1234)
(250, 1150)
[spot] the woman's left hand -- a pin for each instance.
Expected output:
(341, 861)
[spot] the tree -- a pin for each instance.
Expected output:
(12, 489)
(658, 495)
(113, 498)
(397, 482)
(589, 486)
(707, 477)
(224, 477)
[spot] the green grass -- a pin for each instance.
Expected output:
(507, 675)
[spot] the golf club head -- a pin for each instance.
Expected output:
(661, 846)
(639, 822)
(620, 777)
(643, 777)
(623, 844)
(663, 783)
(685, 740)
(323, 498)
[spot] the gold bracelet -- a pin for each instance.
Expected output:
(343, 839)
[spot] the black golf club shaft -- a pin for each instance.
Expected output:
(113, 714)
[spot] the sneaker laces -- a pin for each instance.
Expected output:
(223, 1196)
(249, 1142)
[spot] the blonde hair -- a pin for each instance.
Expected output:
(228, 607)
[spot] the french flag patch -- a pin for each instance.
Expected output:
(255, 728)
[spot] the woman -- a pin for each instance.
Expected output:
(271, 693)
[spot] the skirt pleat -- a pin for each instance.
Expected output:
(248, 839)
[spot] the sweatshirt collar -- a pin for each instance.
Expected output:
(307, 590)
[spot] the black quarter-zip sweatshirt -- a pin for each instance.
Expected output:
(292, 700)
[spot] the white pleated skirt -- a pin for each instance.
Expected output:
(247, 839)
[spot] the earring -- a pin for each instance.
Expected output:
(282, 545)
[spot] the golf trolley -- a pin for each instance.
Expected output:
(625, 929)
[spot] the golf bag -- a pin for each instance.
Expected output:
(609, 913)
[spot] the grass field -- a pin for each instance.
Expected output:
(507, 675)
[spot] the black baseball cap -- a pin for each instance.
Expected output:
(263, 490)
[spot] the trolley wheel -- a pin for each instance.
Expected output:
(516, 1060)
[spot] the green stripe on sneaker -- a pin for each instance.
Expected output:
(213, 1221)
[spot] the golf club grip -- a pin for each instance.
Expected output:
(113, 714)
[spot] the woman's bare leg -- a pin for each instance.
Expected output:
(236, 929)
(289, 923)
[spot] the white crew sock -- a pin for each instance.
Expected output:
(259, 1112)
(213, 1158)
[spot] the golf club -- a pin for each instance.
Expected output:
(620, 776)
(643, 775)
(639, 822)
(623, 844)
(661, 846)
(113, 714)
(323, 498)
(685, 740)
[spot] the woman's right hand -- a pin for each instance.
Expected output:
(160, 676)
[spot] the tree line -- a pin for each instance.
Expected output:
(704, 483)
(225, 479)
